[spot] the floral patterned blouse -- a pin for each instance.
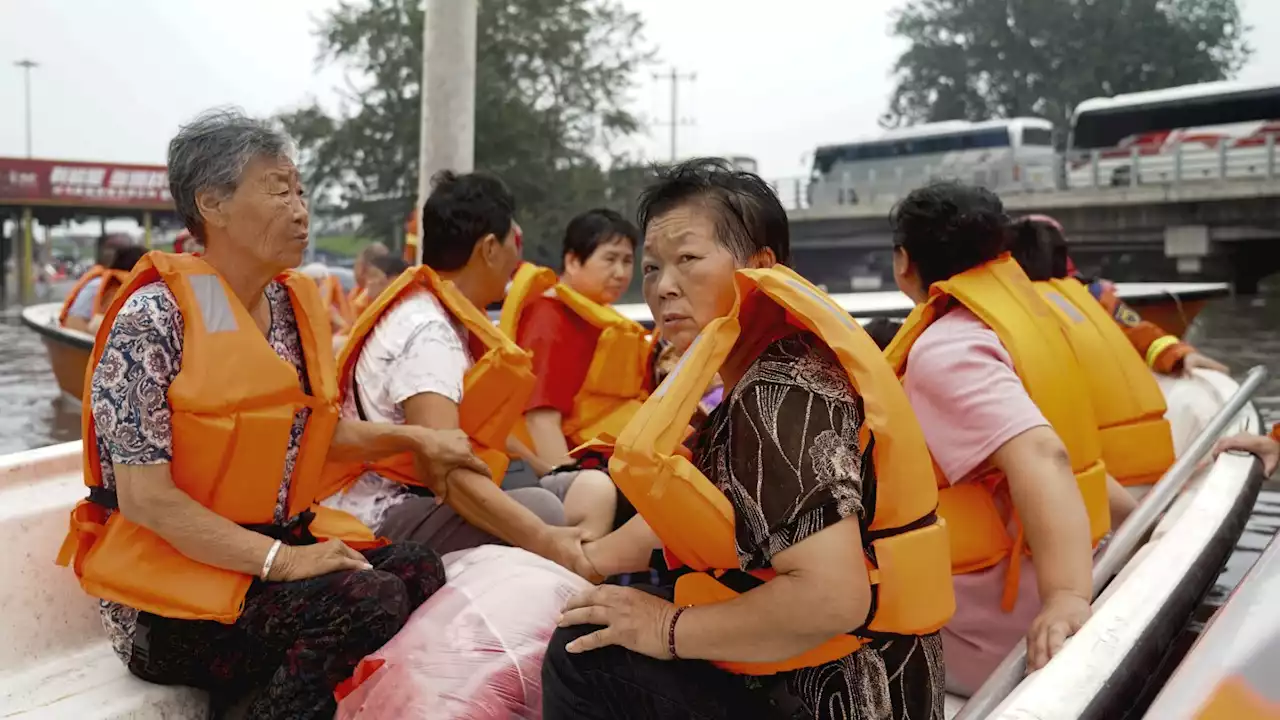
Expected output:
(783, 447)
(129, 398)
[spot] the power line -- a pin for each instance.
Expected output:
(674, 77)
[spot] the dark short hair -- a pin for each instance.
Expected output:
(593, 228)
(882, 330)
(460, 211)
(1031, 249)
(126, 257)
(1040, 248)
(390, 265)
(948, 228)
(749, 217)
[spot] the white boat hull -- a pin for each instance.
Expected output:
(1102, 670)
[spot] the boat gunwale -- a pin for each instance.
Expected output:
(1215, 657)
(1090, 679)
(32, 318)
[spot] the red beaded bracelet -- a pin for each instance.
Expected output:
(671, 632)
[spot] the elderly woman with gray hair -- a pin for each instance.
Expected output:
(212, 410)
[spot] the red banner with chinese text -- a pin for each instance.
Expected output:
(84, 184)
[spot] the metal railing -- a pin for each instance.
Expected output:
(1124, 542)
(1095, 171)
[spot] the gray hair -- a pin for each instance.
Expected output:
(211, 152)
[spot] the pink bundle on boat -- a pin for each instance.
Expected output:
(474, 650)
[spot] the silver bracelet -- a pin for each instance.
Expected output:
(271, 558)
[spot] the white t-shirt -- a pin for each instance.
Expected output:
(416, 348)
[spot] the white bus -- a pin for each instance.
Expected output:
(1003, 155)
(1210, 131)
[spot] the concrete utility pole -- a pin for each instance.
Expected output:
(26, 66)
(676, 122)
(448, 94)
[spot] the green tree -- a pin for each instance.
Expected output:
(552, 79)
(981, 59)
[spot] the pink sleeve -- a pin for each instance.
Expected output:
(961, 384)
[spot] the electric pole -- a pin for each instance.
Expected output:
(26, 66)
(448, 95)
(675, 78)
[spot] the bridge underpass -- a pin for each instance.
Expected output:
(1222, 231)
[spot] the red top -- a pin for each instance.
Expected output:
(562, 344)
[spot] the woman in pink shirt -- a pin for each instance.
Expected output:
(979, 421)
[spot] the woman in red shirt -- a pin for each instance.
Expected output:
(599, 260)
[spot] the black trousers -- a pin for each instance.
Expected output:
(614, 683)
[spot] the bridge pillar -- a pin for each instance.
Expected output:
(1188, 245)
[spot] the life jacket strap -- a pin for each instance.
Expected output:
(295, 531)
(105, 497)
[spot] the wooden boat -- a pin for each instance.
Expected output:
(1230, 671)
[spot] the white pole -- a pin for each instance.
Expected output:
(448, 94)
(26, 66)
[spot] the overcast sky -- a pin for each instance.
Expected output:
(117, 77)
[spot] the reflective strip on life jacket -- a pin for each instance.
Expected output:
(1137, 442)
(1000, 294)
(231, 428)
(906, 545)
(495, 391)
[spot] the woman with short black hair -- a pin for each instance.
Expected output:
(784, 448)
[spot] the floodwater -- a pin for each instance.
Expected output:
(1240, 331)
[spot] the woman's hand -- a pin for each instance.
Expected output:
(1061, 616)
(1263, 446)
(301, 562)
(564, 547)
(1195, 360)
(632, 619)
(440, 452)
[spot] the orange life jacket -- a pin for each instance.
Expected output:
(1000, 294)
(616, 381)
(1137, 443)
(331, 293)
(907, 557)
(495, 390)
(111, 280)
(231, 423)
(358, 300)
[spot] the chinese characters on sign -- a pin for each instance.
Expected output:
(104, 185)
(114, 183)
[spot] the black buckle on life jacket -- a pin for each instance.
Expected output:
(295, 531)
(105, 497)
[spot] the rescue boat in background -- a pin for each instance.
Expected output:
(1172, 306)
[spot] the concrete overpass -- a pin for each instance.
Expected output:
(1206, 230)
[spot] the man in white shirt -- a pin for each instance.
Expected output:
(411, 370)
